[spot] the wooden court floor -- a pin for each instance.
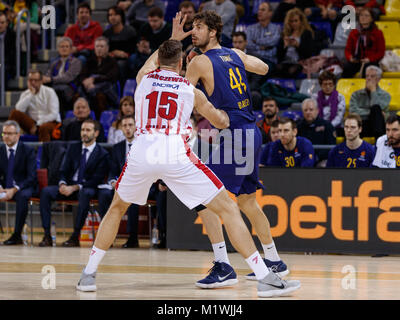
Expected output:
(153, 274)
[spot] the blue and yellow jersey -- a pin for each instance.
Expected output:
(397, 157)
(343, 157)
(231, 89)
(301, 156)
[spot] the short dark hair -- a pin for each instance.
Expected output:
(36, 71)
(84, 5)
(212, 20)
(170, 52)
(285, 120)
(326, 75)
(275, 124)
(156, 12)
(354, 116)
(117, 11)
(128, 116)
(269, 98)
(187, 4)
(393, 118)
(239, 34)
(94, 122)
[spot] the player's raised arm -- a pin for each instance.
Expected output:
(150, 65)
(218, 118)
(177, 34)
(252, 64)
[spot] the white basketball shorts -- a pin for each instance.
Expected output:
(158, 156)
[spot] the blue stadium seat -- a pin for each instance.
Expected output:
(70, 114)
(28, 138)
(106, 119)
(289, 84)
(324, 26)
(129, 88)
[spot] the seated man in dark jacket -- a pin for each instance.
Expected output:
(71, 127)
(83, 168)
(99, 77)
(316, 129)
(17, 176)
(63, 73)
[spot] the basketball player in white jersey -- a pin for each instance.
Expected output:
(164, 102)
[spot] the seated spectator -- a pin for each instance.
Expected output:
(9, 39)
(388, 146)
(187, 8)
(263, 37)
(84, 33)
(79, 178)
(365, 46)
(371, 103)
(122, 40)
(331, 104)
(316, 129)
(138, 11)
(156, 30)
(137, 60)
(354, 152)
(17, 176)
(239, 41)
(227, 10)
(126, 108)
(71, 128)
(290, 151)
(296, 43)
(270, 109)
(37, 110)
(119, 153)
(99, 77)
(274, 136)
(63, 73)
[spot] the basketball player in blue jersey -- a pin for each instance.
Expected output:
(290, 151)
(354, 152)
(221, 73)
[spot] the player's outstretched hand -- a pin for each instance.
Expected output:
(177, 27)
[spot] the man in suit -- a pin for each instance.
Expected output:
(17, 175)
(118, 156)
(83, 168)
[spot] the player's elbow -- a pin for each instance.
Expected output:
(264, 69)
(223, 122)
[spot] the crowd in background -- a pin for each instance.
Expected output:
(95, 64)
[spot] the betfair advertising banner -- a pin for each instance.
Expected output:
(313, 210)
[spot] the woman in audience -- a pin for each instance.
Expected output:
(331, 104)
(297, 43)
(126, 107)
(365, 45)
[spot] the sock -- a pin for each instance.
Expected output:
(258, 266)
(220, 253)
(270, 252)
(96, 255)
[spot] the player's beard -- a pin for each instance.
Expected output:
(202, 45)
(270, 115)
(394, 142)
